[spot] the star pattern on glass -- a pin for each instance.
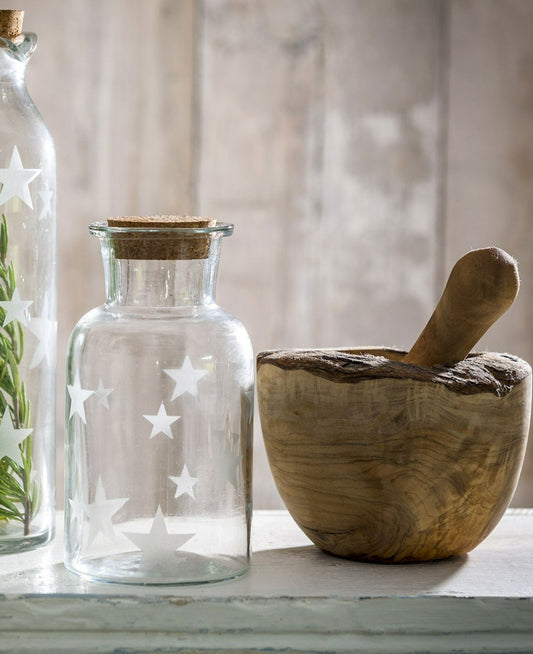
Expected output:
(10, 438)
(186, 378)
(44, 329)
(15, 180)
(15, 309)
(101, 511)
(161, 422)
(78, 396)
(76, 508)
(46, 203)
(102, 394)
(158, 546)
(184, 483)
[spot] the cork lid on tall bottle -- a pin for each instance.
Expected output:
(11, 23)
(161, 237)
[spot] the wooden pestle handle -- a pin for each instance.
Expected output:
(481, 287)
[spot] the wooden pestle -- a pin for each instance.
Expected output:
(481, 287)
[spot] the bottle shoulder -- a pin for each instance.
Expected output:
(152, 319)
(104, 331)
(19, 112)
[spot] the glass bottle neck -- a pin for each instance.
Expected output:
(13, 60)
(160, 283)
(12, 74)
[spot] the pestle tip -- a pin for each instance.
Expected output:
(481, 287)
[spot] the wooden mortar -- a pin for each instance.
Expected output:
(381, 459)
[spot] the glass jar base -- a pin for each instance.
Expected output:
(15, 542)
(184, 568)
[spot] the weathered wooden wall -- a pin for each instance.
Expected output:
(359, 146)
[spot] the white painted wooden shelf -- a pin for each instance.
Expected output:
(294, 599)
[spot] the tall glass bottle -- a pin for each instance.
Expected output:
(27, 301)
(159, 413)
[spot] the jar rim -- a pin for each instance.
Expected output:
(20, 48)
(102, 229)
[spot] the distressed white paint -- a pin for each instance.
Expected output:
(490, 157)
(360, 147)
(294, 597)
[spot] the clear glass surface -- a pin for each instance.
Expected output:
(159, 422)
(27, 308)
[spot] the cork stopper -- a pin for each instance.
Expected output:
(175, 240)
(11, 23)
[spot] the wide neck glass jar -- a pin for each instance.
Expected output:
(27, 302)
(159, 413)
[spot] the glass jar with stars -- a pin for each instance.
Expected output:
(27, 301)
(159, 413)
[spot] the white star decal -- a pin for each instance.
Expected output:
(101, 511)
(15, 309)
(10, 438)
(184, 483)
(186, 378)
(76, 508)
(102, 394)
(158, 546)
(46, 199)
(78, 396)
(15, 180)
(161, 422)
(45, 331)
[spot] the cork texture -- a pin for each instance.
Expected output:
(11, 23)
(176, 242)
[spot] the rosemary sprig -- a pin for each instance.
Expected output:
(19, 494)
